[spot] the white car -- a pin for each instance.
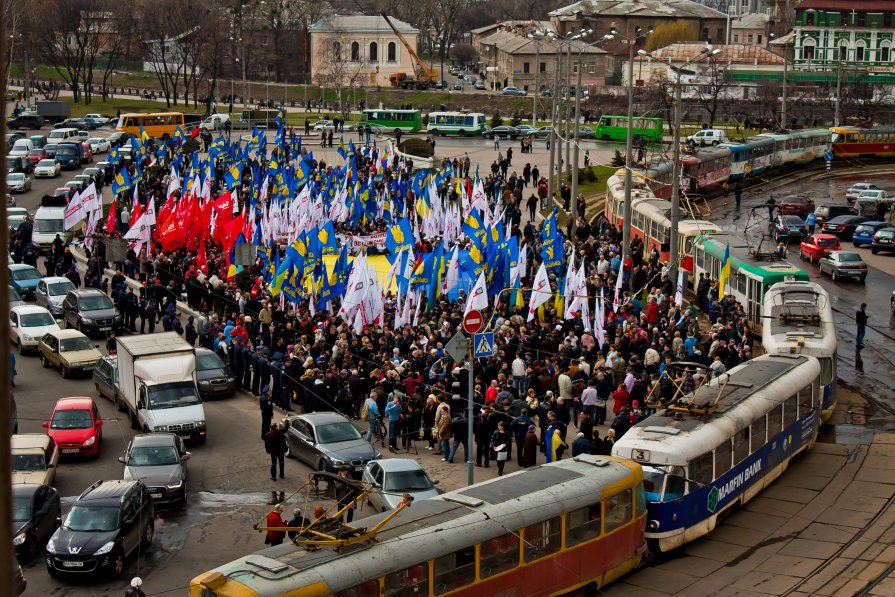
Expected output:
(392, 478)
(99, 119)
(99, 145)
(708, 137)
(856, 189)
(18, 182)
(48, 168)
(874, 195)
(324, 125)
(28, 324)
(50, 293)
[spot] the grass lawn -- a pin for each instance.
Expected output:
(111, 106)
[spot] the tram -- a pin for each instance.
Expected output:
(721, 445)
(851, 141)
(750, 157)
(546, 530)
(797, 318)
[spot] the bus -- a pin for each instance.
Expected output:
(262, 118)
(406, 121)
(615, 128)
(456, 123)
(155, 124)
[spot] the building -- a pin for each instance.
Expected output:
(360, 50)
(627, 15)
(751, 29)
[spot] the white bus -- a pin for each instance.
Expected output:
(456, 123)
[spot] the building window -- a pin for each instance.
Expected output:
(736, 38)
(543, 67)
(337, 50)
(843, 52)
(355, 51)
(859, 54)
(526, 68)
(750, 38)
(808, 52)
(392, 52)
(809, 18)
(592, 68)
(884, 54)
(374, 52)
(759, 40)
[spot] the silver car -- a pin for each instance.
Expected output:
(394, 477)
(843, 264)
(327, 441)
(50, 293)
(159, 461)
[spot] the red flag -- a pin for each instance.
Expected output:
(138, 211)
(111, 219)
(201, 257)
(224, 203)
(171, 235)
(194, 132)
(249, 230)
(229, 232)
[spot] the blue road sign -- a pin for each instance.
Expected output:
(828, 155)
(484, 345)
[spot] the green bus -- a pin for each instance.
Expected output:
(615, 128)
(456, 123)
(406, 121)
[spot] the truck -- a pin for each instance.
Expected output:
(215, 122)
(70, 154)
(157, 385)
(53, 111)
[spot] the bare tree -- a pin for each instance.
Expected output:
(659, 94)
(711, 88)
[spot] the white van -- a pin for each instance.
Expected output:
(708, 137)
(214, 122)
(21, 147)
(48, 222)
(59, 135)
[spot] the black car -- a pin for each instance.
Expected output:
(787, 227)
(107, 523)
(26, 121)
(76, 123)
(118, 139)
(883, 240)
(213, 376)
(505, 132)
(90, 310)
(36, 510)
(843, 226)
(19, 163)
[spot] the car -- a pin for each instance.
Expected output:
(15, 298)
(76, 426)
(828, 211)
(75, 123)
(84, 179)
(51, 291)
(708, 137)
(843, 264)
(63, 192)
(47, 168)
(36, 155)
(873, 195)
(324, 125)
(90, 310)
(818, 246)
(96, 175)
(865, 232)
(797, 205)
(525, 129)
(38, 141)
(856, 189)
(118, 139)
(74, 185)
(458, 86)
(543, 132)
(327, 441)
(87, 154)
(51, 149)
(34, 458)
(440, 85)
(585, 132)
(10, 201)
(19, 163)
(68, 350)
(98, 119)
(28, 324)
(392, 478)
(843, 226)
(158, 460)
(479, 84)
(105, 379)
(505, 132)
(36, 510)
(213, 376)
(513, 91)
(24, 278)
(99, 144)
(83, 136)
(109, 521)
(12, 211)
(883, 240)
(454, 70)
(25, 121)
(18, 182)
(785, 227)
(14, 221)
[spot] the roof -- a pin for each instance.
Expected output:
(153, 440)
(672, 9)
(54, 279)
(360, 23)
(73, 403)
(848, 5)
(25, 309)
(66, 334)
(391, 465)
(20, 266)
(30, 441)
(512, 43)
(730, 54)
(88, 292)
(104, 490)
(320, 418)
(25, 489)
(751, 21)
(542, 25)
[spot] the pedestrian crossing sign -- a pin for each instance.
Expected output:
(484, 345)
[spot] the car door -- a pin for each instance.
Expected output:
(130, 527)
(13, 326)
(43, 516)
(51, 458)
(97, 422)
(299, 439)
(52, 352)
(40, 295)
(375, 478)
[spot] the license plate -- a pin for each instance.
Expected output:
(184, 435)
(156, 496)
(358, 468)
(105, 328)
(73, 564)
(70, 451)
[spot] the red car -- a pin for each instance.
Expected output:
(797, 205)
(76, 426)
(36, 155)
(88, 152)
(818, 246)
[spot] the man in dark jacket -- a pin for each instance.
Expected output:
(275, 445)
(482, 430)
(266, 405)
(581, 445)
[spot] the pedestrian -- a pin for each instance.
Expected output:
(771, 204)
(500, 445)
(581, 445)
(393, 411)
(275, 521)
(861, 317)
(275, 445)
(738, 194)
(370, 411)
(297, 522)
(530, 447)
(726, 188)
(266, 405)
(496, 143)
(346, 493)
(810, 222)
(443, 428)
(135, 590)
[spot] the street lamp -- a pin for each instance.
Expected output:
(785, 72)
(707, 52)
(537, 35)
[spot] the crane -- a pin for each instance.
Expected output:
(425, 75)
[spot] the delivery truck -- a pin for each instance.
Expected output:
(157, 384)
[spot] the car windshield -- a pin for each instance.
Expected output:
(209, 361)
(793, 221)
(60, 288)
(407, 481)
(153, 456)
(16, 177)
(29, 462)
(827, 242)
(48, 226)
(66, 151)
(13, 295)
(46, 163)
(73, 344)
(21, 509)
(36, 152)
(26, 273)
(33, 320)
(849, 257)
(794, 200)
(95, 303)
(337, 432)
(71, 419)
(101, 519)
(173, 395)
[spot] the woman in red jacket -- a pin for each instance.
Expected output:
(620, 398)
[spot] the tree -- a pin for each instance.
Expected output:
(464, 53)
(671, 33)
(659, 94)
(711, 88)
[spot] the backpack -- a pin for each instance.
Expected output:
(365, 410)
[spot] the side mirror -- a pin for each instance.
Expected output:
(99, 422)
(140, 404)
(122, 460)
(46, 424)
(185, 457)
(436, 482)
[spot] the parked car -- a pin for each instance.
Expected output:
(543, 132)
(39, 141)
(856, 189)
(69, 351)
(818, 246)
(525, 129)
(158, 460)
(797, 205)
(213, 375)
(19, 163)
(873, 195)
(36, 155)
(458, 86)
(843, 226)
(324, 125)
(76, 426)
(504, 132)
(28, 324)
(24, 278)
(96, 175)
(34, 458)
(98, 118)
(514, 91)
(107, 523)
(828, 211)
(883, 240)
(843, 264)
(99, 144)
(11, 138)
(26, 121)
(392, 478)
(36, 510)
(90, 310)
(75, 123)
(74, 185)
(47, 168)
(51, 149)
(51, 292)
(18, 182)
(479, 84)
(87, 156)
(327, 441)
(786, 227)
(118, 139)
(708, 137)
(15, 299)
(865, 232)
(105, 379)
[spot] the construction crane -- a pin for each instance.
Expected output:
(425, 76)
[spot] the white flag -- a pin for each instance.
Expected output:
(599, 311)
(150, 210)
(523, 261)
(540, 292)
(679, 292)
(139, 232)
(92, 201)
(74, 212)
(618, 285)
(478, 297)
(571, 286)
(452, 277)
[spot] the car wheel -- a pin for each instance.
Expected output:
(833, 275)
(148, 534)
(116, 564)
(874, 250)
(44, 362)
(321, 465)
(64, 371)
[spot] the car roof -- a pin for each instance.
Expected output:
(204, 351)
(874, 223)
(66, 334)
(153, 440)
(21, 266)
(74, 403)
(25, 489)
(79, 292)
(106, 490)
(54, 279)
(848, 218)
(30, 441)
(28, 309)
(323, 418)
(824, 236)
(111, 359)
(845, 253)
(393, 465)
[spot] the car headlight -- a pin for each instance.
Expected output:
(117, 316)
(378, 455)
(177, 485)
(336, 461)
(204, 382)
(90, 441)
(20, 539)
(160, 428)
(200, 423)
(27, 338)
(51, 544)
(105, 548)
(87, 320)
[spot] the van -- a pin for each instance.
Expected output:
(48, 222)
(708, 137)
(69, 154)
(21, 147)
(58, 135)
(214, 122)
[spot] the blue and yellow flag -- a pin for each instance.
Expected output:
(144, 136)
(113, 157)
(474, 228)
(121, 182)
(233, 176)
(398, 238)
(327, 238)
(725, 272)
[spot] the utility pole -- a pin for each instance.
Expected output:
(674, 249)
(469, 415)
(535, 90)
(629, 150)
(568, 116)
(551, 138)
(785, 72)
(838, 91)
(573, 204)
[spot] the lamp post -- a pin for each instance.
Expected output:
(537, 35)
(785, 77)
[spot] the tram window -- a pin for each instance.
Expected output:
(723, 454)
(775, 421)
(790, 410)
(498, 555)
(454, 570)
(408, 582)
(701, 469)
(367, 589)
(759, 432)
(543, 539)
(740, 445)
(826, 370)
(618, 510)
(582, 524)
(805, 401)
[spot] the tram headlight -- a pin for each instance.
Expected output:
(653, 525)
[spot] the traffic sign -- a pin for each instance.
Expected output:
(457, 347)
(472, 321)
(828, 155)
(483, 345)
